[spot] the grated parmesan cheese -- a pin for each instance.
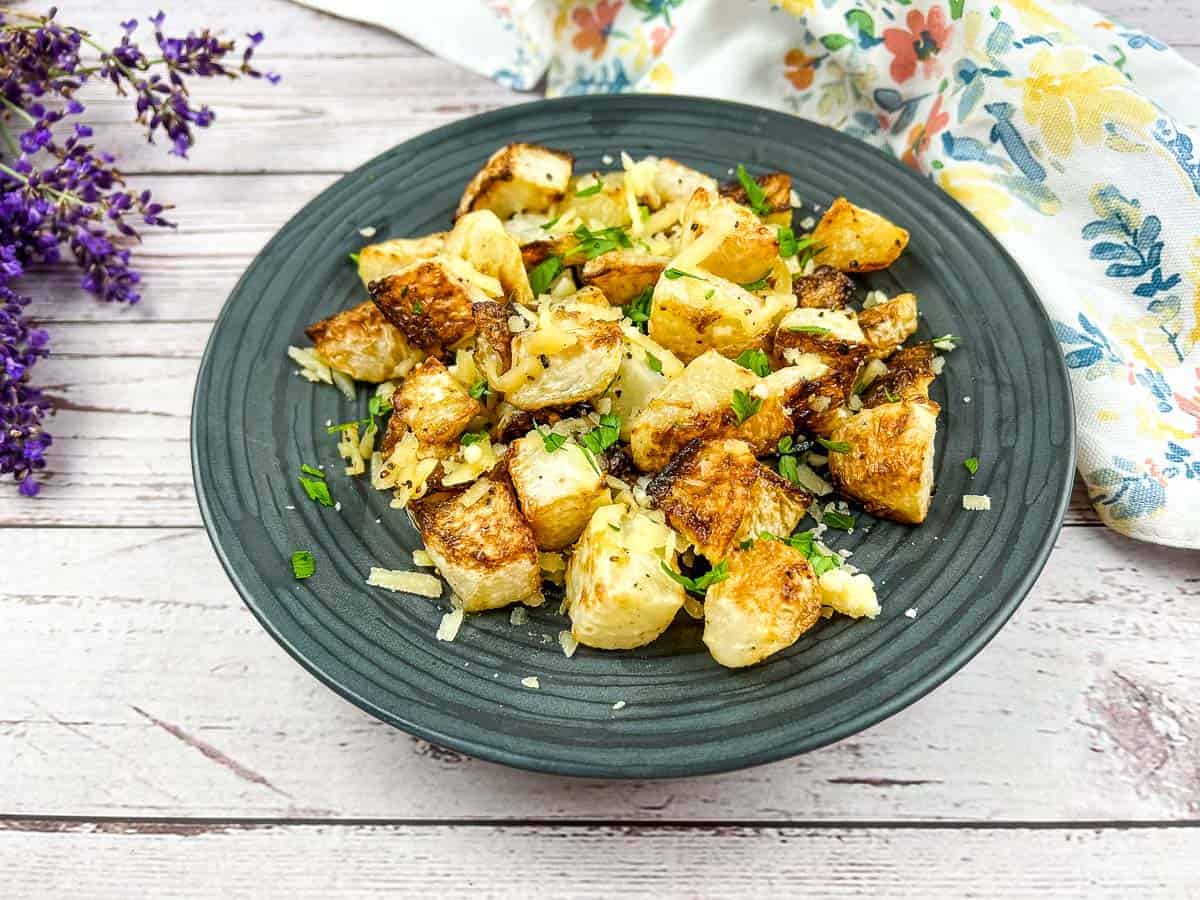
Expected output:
(343, 383)
(421, 558)
(874, 298)
(569, 645)
(911, 612)
(367, 231)
(312, 365)
(939, 363)
(408, 582)
(620, 704)
(977, 502)
(451, 622)
(475, 493)
(518, 616)
(531, 682)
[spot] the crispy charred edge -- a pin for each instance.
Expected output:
(492, 331)
(618, 262)
(498, 543)
(845, 360)
(395, 427)
(392, 296)
(909, 374)
(537, 252)
(687, 517)
(499, 169)
(825, 288)
(523, 421)
(884, 314)
(777, 186)
(797, 493)
(323, 329)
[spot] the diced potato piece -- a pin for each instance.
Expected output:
(431, 404)
(581, 370)
(769, 599)
(777, 188)
(675, 183)
(851, 595)
(825, 288)
(376, 261)
(696, 404)
(484, 549)
(623, 274)
(749, 249)
(558, 489)
(889, 324)
(831, 354)
(617, 594)
(857, 240)
(607, 208)
(889, 466)
(909, 374)
(696, 313)
(715, 494)
(639, 380)
(518, 178)
(481, 240)
(831, 324)
(363, 344)
(429, 302)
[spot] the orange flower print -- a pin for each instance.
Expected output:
(925, 37)
(921, 135)
(799, 69)
(595, 25)
(658, 39)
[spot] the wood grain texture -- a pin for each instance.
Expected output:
(173, 701)
(323, 861)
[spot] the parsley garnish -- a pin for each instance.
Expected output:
(946, 342)
(834, 446)
(312, 470)
(746, 544)
(638, 309)
(744, 406)
(889, 396)
(709, 293)
(334, 429)
(317, 490)
(808, 329)
(672, 274)
(809, 252)
(972, 464)
(759, 285)
(788, 468)
(543, 274)
(479, 390)
(653, 362)
(700, 583)
(472, 437)
(614, 527)
(552, 440)
(644, 210)
(591, 190)
(594, 243)
(787, 242)
(416, 307)
(303, 565)
(822, 560)
(786, 444)
(604, 435)
(840, 521)
(377, 405)
(354, 258)
(548, 225)
(755, 195)
(756, 361)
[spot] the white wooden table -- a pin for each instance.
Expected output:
(154, 741)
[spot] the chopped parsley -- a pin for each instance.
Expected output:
(840, 521)
(786, 444)
(416, 307)
(756, 361)
(787, 242)
(543, 274)
(590, 190)
(312, 470)
(343, 426)
(808, 329)
(709, 293)
(552, 440)
(594, 243)
(644, 210)
(653, 362)
(808, 253)
(472, 437)
(946, 342)
(756, 197)
(700, 583)
(673, 274)
(377, 405)
(746, 544)
(759, 285)
(546, 226)
(479, 390)
(822, 560)
(834, 446)
(354, 258)
(972, 464)
(317, 490)
(303, 565)
(889, 396)
(604, 435)
(744, 406)
(788, 468)
(638, 310)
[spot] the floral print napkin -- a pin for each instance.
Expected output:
(1069, 135)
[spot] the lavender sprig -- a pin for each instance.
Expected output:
(58, 191)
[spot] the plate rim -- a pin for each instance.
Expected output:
(495, 752)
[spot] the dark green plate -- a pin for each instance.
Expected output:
(255, 422)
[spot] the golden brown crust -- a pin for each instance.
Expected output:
(777, 186)
(858, 240)
(749, 250)
(492, 331)
(430, 305)
(362, 343)
(825, 288)
(622, 275)
(909, 374)
(816, 406)
(501, 170)
(493, 534)
(433, 405)
(889, 324)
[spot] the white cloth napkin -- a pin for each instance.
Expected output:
(1067, 134)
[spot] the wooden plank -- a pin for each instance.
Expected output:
(136, 683)
(116, 860)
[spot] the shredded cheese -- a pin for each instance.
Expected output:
(312, 365)
(408, 582)
(451, 622)
(569, 645)
(422, 558)
(531, 682)
(977, 502)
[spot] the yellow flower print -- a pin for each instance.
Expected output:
(662, 79)
(972, 186)
(1040, 20)
(1108, 416)
(1193, 336)
(1153, 427)
(796, 7)
(1070, 97)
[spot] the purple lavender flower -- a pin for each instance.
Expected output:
(61, 192)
